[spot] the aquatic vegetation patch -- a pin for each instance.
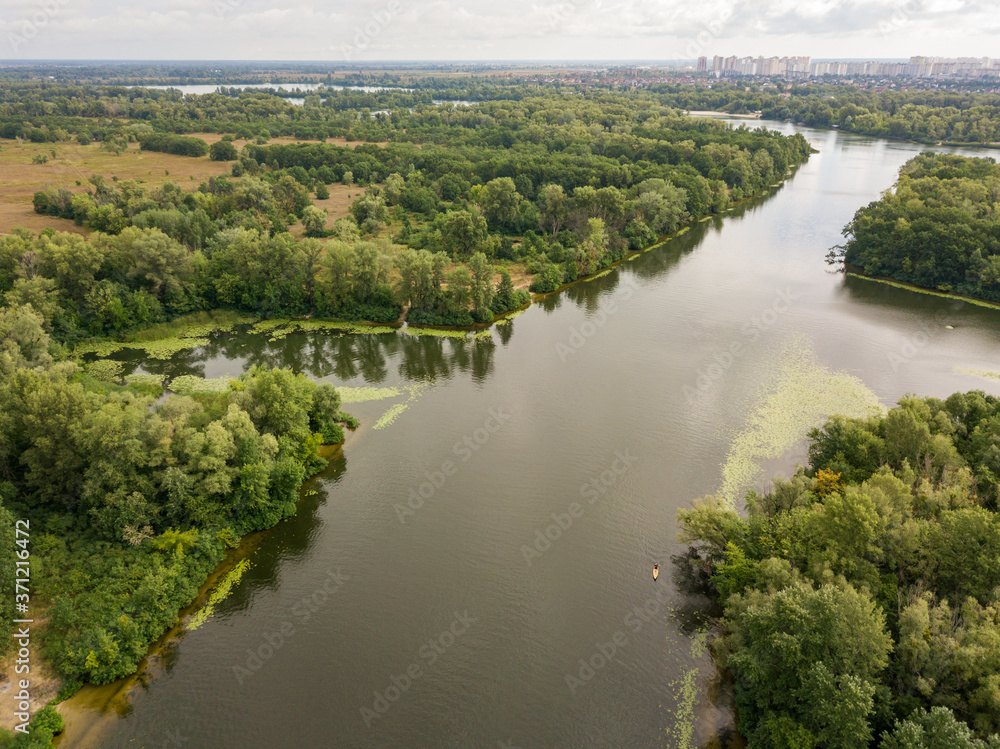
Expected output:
(985, 374)
(221, 592)
(393, 413)
(165, 340)
(198, 325)
(102, 348)
(932, 292)
(356, 328)
(365, 394)
(166, 348)
(106, 370)
(803, 395)
(508, 319)
(144, 378)
(281, 327)
(682, 731)
(190, 384)
(435, 332)
(483, 335)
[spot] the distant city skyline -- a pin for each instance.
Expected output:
(444, 30)
(918, 66)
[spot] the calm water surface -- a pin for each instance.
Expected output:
(588, 377)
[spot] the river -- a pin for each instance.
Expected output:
(603, 409)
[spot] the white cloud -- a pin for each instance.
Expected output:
(486, 29)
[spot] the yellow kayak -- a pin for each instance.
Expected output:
(656, 571)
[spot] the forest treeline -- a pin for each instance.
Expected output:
(862, 596)
(132, 498)
(924, 115)
(938, 227)
(927, 115)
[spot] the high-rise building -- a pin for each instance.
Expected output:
(917, 67)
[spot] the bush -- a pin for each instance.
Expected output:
(223, 151)
(180, 145)
(333, 433)
(456, 318)
(550, 279)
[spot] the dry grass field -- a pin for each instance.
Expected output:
(73, 164)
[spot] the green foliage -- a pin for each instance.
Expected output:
(936, 729)
(8, 556)
(853, 600)
(939, 228)
(180, 145)
(45, 725)
(131, 502)
(223, 151)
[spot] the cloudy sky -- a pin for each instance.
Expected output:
(360, 30)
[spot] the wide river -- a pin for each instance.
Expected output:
(476, 571)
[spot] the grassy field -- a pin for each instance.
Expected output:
(73, 164)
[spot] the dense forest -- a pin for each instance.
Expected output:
(132, 498)
(563, 185)
(862, 596)
(939, 227)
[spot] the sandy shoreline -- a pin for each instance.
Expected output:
(713, 113)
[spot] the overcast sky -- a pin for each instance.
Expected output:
(360, 30)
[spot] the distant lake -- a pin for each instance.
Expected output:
(204, 88)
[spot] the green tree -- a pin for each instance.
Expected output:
(934, 729)
(463, 232)
(223, 150)
(814, 655)
(499, 200)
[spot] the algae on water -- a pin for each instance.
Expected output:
(221, 592)
(803, 394)
(365, 394)
(984, 373)
(393, 413)
(190, 384)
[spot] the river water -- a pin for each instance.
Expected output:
(603, 409)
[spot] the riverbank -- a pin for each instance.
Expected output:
(923, 290)
(164, 340)
(714, 113)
